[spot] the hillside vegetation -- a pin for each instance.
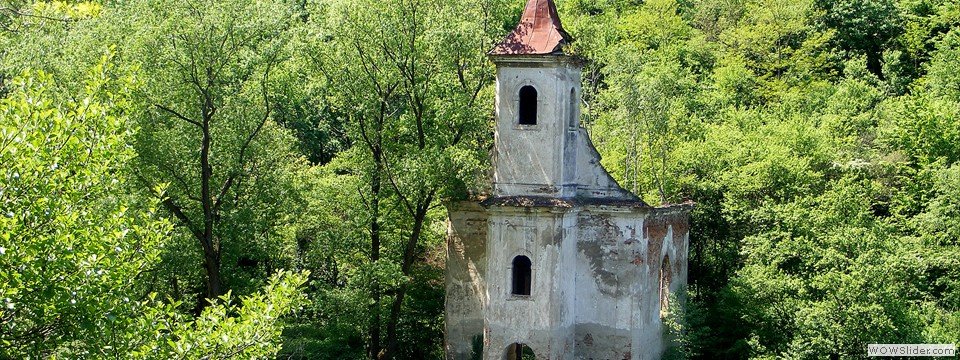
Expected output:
(266, 179)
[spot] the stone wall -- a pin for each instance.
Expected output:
(544, 319)
(595, 284)
(465, 285)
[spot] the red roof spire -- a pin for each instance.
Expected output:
(539, 32)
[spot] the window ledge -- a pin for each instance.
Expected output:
(526, 126)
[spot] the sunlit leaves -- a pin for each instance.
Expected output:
(823, 196)
(248, 329)
(74, 243)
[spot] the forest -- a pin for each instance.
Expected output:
(241, 179)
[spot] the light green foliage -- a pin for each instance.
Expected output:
(775, 41)
(52, 36)
(426, 63)
(943, 79)
(651, 74)
(72, 243)
(249, 329)
(75, 245)
(207, 70)
(412, 87)
(819, 139)
(206, 129)
(922, 128)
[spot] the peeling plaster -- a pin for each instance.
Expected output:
(595, 249)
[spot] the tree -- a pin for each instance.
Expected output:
(37, 35)
(411, 78)
(72, 243)
(862, 27)
(650, 90)
(206, 128)
(75, 245)
(248, 329)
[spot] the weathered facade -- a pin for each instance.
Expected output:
(559, 260)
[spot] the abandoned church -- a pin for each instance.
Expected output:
(559, 262)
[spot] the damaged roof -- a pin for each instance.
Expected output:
(538, 33)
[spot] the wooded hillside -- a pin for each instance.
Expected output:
(266, 179)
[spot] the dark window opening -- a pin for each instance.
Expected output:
(574, 119)
(665, 275)
(518, 351)
(528, 105)
(521, 275)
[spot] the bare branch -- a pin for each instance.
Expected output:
(393, 183)
(18, 12)
(241, 159)
(171, 205)
(180, 179)
(178, 115)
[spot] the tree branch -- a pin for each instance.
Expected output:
(18, 12)
(241, 159)
(173, 207)
(178, 115)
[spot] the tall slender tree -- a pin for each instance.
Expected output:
(416, 83)
(207, 130)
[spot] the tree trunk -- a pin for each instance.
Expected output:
(409, 255)
(212, 267)
(373, 348)
(210, 245)
(394, 321)
(875, 61)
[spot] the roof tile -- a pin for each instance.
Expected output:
(539, 32)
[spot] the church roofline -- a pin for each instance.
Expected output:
(537, 59)
(554, 202)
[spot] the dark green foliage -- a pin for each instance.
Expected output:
(862, 27)
(476, 347)
(819, 140)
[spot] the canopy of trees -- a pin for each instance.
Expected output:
(266, 179)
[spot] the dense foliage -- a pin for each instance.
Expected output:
(76, 243)
(162, 162)
(818, 139)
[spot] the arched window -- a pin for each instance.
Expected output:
(528, 105)
(572, 109)
(521, 275)
(517, 351)
(665, 276)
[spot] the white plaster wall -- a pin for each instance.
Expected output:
(528, 159)
(591, 179)
(611, 284)
(466, 266)
(595, 268)
(544, 319)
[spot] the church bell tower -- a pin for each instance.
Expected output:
(538, 92)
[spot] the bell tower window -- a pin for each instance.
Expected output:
(522, 276)
(528, 105)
